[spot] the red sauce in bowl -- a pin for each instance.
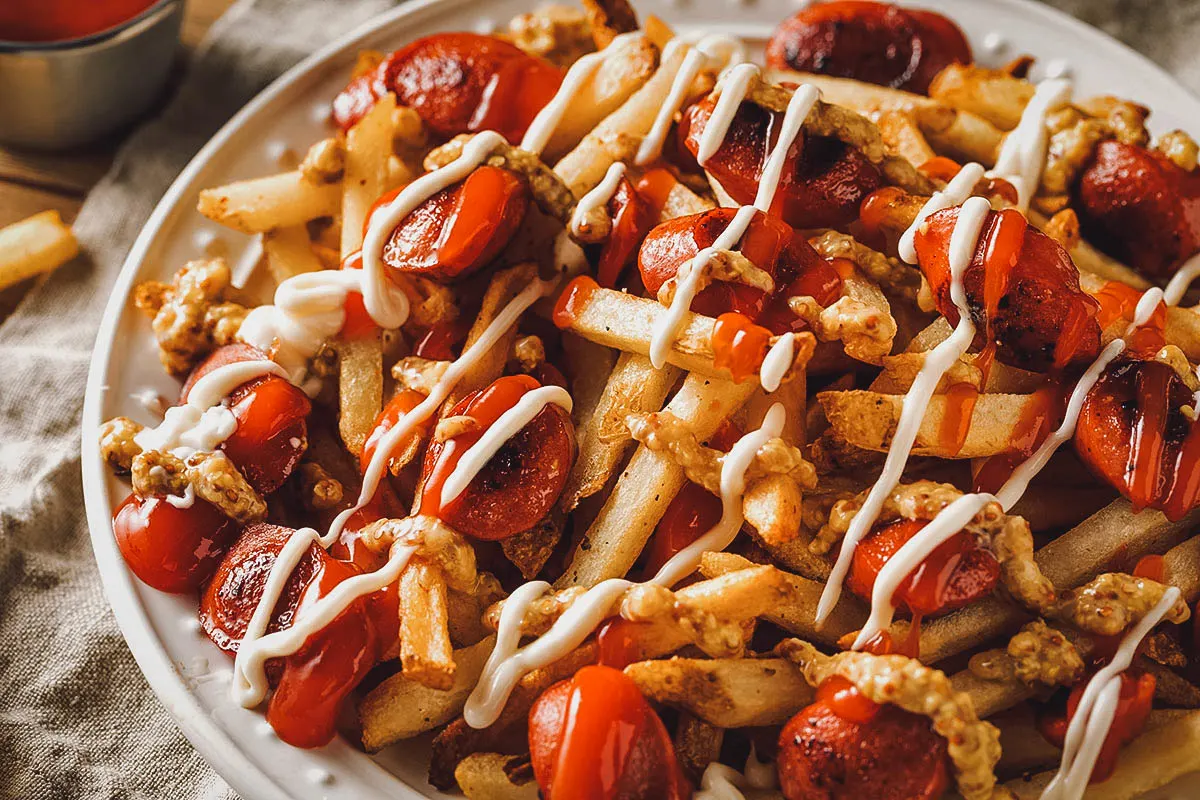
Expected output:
(63, 20)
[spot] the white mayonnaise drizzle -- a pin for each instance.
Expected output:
(955, 193)
(666, 327)
(250, 684)
(1094, 715)
(777, 362)
(150, 400)
(202, 423)
(509, 662)
(598, 196)
(1182, 280)
(509, 424)
(963, 241)
(730, 91)
(309, 309)
(1023, 154)
(537, 136)
(722, 782)
(185, 500)
(711, 52)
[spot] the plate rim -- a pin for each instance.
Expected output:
(229, 761)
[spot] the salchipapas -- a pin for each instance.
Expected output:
(645, 422)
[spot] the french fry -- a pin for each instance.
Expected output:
(796, 613)
(276, 201)
(1151, 761)
(368, 147)
(360, 389)
(504, 286)
(647, 486)
(952, 131)
(399, 708)
(633, 387)
(492, 776)
(992, 94)
(625, 322)
(33, 246)
(616, 80)
(289, 252)
(904, 137)
(868, 419)
(726, 692)
(618, 135)
(425, 651)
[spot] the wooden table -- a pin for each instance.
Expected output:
(32, 182)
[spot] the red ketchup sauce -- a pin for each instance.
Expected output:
(739, 345)
(955, 574)
(594, 737)
(573, 300)
(63, 20)
(1133, 708)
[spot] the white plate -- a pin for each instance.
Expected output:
(186, 672)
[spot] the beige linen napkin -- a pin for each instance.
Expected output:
(77, 719)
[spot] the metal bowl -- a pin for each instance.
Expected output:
(56, 95)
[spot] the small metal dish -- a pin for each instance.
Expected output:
(57, 95)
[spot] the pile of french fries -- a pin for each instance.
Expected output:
(842, 394)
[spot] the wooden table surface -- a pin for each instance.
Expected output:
(32, 182)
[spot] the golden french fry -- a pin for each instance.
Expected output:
(33, 246)
(585, 166)
(617, 79)
(360, 389)
(492, 776)
(647, 486)
(399, 708)
(368, 147)
(992, 94)
(425, 651)
(276, 201)
(1149, 762)
(868, 419)
(289, 252)
(625, 322)
(504, 286)
(955, 132)
(903, 137)
(726, 692)
(796, 612)
(633, 387)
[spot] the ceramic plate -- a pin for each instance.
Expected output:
(189, 675)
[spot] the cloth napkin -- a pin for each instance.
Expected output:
(77, 719)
